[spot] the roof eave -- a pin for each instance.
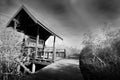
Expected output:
(39, 23)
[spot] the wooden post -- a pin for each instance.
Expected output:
(18, 68)
(47, 55)
(43, 55)
(29, 51)
(37, 42)
(15, 23)
(43, 50)
(64, 53)
(35, 55)
(33, 68)
(54, 50)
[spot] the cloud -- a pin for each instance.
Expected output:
(55, 6)
(7, 5)
(104, 9)
(78, 16)
(72, 17)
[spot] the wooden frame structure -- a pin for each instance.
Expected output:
(24, 21)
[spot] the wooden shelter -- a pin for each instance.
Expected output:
(24, 21)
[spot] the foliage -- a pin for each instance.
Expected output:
(72, 52)
(10, 48)
(105, 52)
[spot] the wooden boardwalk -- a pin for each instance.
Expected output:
(65, 69)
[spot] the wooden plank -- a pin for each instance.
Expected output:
(42, 63)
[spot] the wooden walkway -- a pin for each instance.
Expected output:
(65, 69)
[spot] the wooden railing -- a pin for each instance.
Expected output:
(59, 53)
(32, 43)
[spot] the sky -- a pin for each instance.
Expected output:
(70, 18)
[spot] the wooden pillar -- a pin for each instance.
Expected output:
(43, 50)
(37, 42)
(35, 55)
(44, 55)
(33, 68)
(15, 23)
(18, 68)
(47, 55)
(29, 51)
(64, 53)
(54, 50)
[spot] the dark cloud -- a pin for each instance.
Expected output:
(108, 9)
(7, 5)
(61, 10)
(55, 6)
